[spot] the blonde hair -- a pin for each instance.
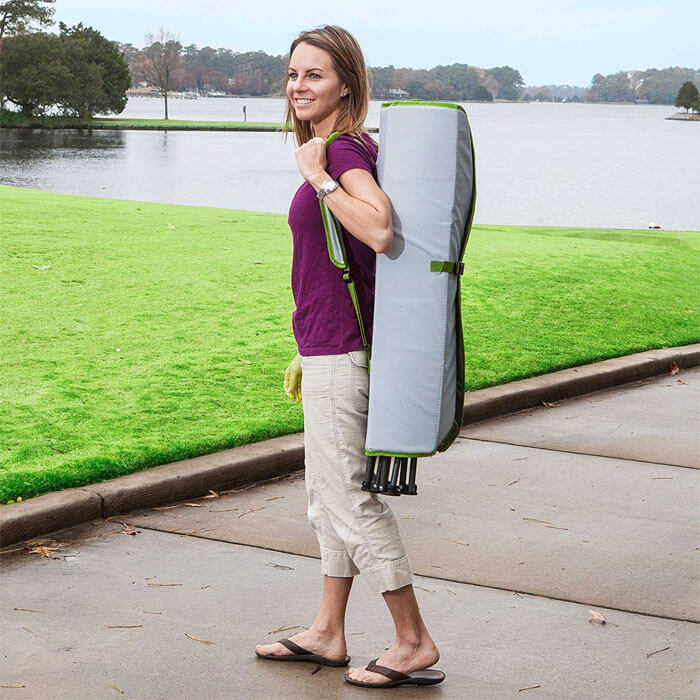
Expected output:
(349, 64)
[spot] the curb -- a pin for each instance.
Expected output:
(240, 466)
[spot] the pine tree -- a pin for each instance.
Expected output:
(687, 95)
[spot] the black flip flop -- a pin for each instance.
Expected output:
(301, 654)
(428, 676)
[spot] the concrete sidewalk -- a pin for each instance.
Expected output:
(524, 526)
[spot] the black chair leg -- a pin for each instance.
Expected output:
(369, 474)
(410, 488)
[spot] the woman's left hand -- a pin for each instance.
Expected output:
(311, 158)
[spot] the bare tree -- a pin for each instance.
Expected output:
(161, 63)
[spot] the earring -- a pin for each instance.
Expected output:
(345, 94)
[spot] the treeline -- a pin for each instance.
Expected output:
(256, 73)
(653, 85)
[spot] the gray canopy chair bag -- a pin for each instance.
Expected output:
(416, 399)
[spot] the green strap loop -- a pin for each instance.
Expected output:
(455, 268)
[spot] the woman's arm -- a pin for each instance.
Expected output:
(359, 203)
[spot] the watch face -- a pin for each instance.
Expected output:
(329, 185)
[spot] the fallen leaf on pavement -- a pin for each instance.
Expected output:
(129, 530)
(119, 690)
(252, 510)
(29, 610)
(284, 629)
(550, 404)
(196, 639)
(280, 566)
(122, 627)
(532, 687)
(45, 551)
(452, 539)
(212, 494)
(514, 482)
(317, 669)
(164, 585)
(274, 498)
(657, 651)
(420, 588)
(451, 592)
(151, 612)
(596, 617)
(537, 520)
(680, 381)
(196, 532)
(2, 685)
(221, 510)
(554, 527)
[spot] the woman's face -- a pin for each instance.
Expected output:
(313, 87)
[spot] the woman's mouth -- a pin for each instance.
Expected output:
(301, 101)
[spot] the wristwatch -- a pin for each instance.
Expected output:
(327, 186)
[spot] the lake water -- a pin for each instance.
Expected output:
(616, 166)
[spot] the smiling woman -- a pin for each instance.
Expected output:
(328, 92)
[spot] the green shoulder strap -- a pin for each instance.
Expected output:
(338, 256)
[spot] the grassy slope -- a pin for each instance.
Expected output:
(161, 332)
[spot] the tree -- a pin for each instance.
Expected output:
(16, 16)
(34, 74)
(161, 63)
(687, 95)
(482, 94)
(508, 80)
(79, 71)
(100, 75)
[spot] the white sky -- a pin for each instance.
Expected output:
(548, 41)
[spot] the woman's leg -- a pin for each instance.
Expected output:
(326, 636)
(413, 649)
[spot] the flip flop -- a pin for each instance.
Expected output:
(301, 654)
(428, 676)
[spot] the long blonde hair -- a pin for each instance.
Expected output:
(349, 63)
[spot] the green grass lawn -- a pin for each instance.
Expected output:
(8, 118)
(135, 334)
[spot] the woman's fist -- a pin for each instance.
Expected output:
(311, 158)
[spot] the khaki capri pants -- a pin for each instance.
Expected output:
(357, 531)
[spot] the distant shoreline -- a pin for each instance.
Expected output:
(683, 117)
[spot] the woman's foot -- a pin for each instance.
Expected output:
(402, 657)
(323, 643)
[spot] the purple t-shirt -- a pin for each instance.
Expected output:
(324, 321)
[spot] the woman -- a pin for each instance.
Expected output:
(327, 91)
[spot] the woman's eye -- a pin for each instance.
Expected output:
(292, 76)
(314, 75)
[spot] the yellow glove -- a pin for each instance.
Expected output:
(292, 379)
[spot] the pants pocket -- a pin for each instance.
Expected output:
(359, 378)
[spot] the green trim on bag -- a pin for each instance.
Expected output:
(373, 453)
(421, 103)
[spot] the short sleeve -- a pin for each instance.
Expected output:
(345, 153)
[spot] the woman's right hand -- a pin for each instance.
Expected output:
(292, 379)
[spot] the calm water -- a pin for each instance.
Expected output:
(618, 166)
